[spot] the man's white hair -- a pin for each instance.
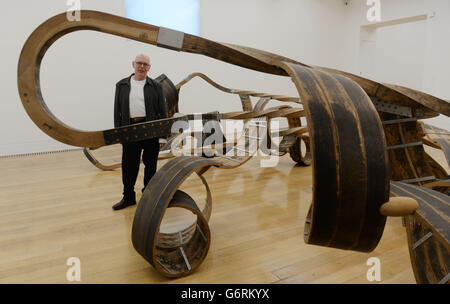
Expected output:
(143, 55)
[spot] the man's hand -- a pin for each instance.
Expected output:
(161, 145)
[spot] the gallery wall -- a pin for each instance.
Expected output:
(79, 72)
(412, 53)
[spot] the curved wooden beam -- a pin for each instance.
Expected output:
(425, 105)
(350, 179)
(236, 91)
(162, 250)
(47, 33)
(87, 152)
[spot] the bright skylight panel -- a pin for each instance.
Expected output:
(181, 15)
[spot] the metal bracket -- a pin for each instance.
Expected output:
(201, 232)
(382, 106)
(170, 39)
(445, 279)
(185, 258)
(394, 121)
(420, 179)
(417, 143)
(422, 240)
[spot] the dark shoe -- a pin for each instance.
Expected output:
(123, 204)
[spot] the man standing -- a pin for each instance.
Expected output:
(138, 99)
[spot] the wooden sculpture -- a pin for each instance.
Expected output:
(360, 134)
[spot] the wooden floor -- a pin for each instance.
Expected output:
(56, 206)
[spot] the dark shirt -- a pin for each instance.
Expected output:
(155, 104)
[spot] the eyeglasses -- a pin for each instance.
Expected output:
(145, 65)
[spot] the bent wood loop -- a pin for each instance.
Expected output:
(87, 152)
(162, 250)
(47, 33)
(236, 91)
(350, 175)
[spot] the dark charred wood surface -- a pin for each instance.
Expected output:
(170, 94)
(409, 162)
(428, 233)
(350, 172)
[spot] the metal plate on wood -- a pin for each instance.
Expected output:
(391, 108)
(170, 39)
(418, 143)
(394, 121)
(418, 180)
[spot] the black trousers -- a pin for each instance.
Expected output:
(131, 159)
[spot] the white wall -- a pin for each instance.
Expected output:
(80, 70)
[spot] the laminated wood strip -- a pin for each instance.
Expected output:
(428, 233)
(350, 174)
